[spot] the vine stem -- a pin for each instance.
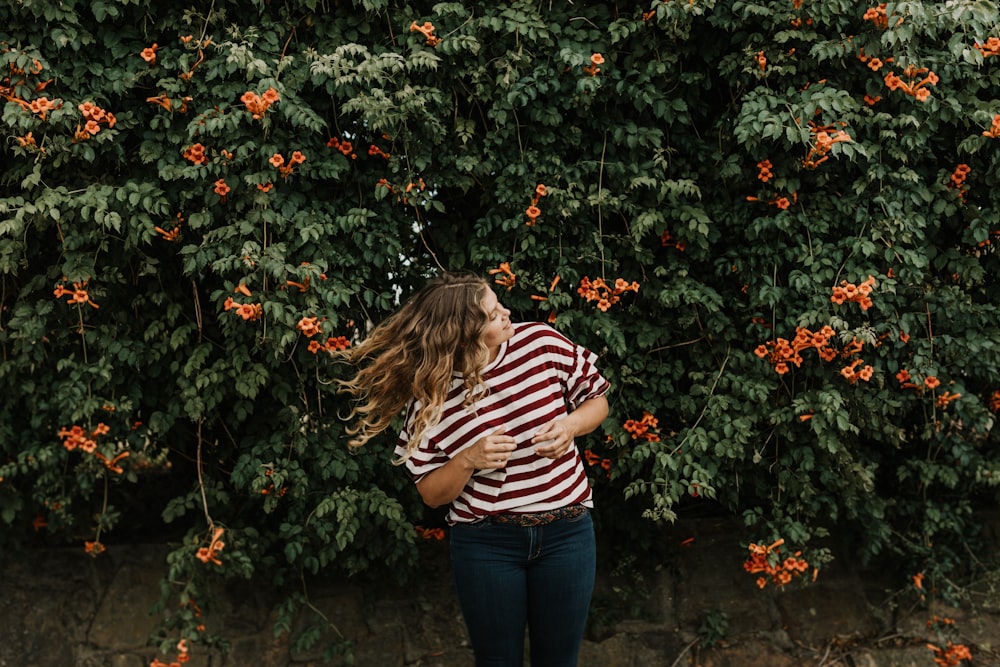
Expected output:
(316, 610)
(423, 239)
(930, 328)
(711, 391)
(197, 308)
(83, 339)
(201, 479)
(104, 507)
(683, 652)
(673, 345)
(600, 197)
(208, 17)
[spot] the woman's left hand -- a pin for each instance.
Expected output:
(553, 440)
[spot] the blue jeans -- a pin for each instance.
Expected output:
(509, 577)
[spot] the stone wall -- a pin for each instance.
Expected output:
(62, 608)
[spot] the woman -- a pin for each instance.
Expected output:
(492, 409)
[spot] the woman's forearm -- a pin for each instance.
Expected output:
(588, 416)
(444, 484)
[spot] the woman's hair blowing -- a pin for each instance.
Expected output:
(414, 354)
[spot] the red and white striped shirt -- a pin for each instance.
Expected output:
(538, 376)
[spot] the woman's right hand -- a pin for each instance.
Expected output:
(491, 451)
(444, 484)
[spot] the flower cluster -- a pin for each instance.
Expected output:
(304, 285)
(595, 59)
(269, 489)
(593, 459)
(182, 657)
(8, 87)
(248, 311)
(36, 67)
(429, 533)
(765, 174)
(222, 189)
(878, 16)
(533, 212)
(780, 202)
(957, 180)
(539, 297)
(195, 154)
(946, 397)
(930, 382)
(149, 54)
(76, 437)
(797, 22)
(644, 429)
(256, 104)
(210, 554)
(427, 30)
(994, 130)
(420, 186)
(284, 168)
(28, 140)
(605, 295)
(668, 241)
(345, 147)
(951, 655)
(824, 137)
(93, 116)
(94, 549)
(906, 381)
(188, 42)
(990, 48)
(312, 326)
(42, 106)
(873, 63)
(913, 87)
(174, 233)
(995, 401)
(851, 373)
(332, 344)
(374, 150)
(506, 277)
(859, 294)
(782, 352)
(761, 61)
(78, 294)
(765, 561)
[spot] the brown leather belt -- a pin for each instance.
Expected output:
(529, 519)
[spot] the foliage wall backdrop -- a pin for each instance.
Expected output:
(776, 222)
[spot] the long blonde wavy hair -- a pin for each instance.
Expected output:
(413, 355)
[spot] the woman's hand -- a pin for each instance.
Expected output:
(557, 439)
(491, 451)
(443, 485)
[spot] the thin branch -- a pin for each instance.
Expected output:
(711, 391)
(201, 479)
(683, 652)
(600, 197)
(682, 344)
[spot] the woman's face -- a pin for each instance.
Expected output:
(498, 326)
